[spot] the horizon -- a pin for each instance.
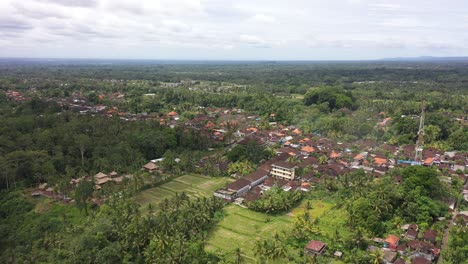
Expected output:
(393, 59)
(338, 30)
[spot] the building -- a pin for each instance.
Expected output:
(239, 186)
(420, 260)
(283, 169)
(150, 166)
(430, 236)
(257, 177)
(315, 247)
(225, 194)
(101, 178)
(391, 242)
(412, 232)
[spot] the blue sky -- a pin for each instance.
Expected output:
(233, 30)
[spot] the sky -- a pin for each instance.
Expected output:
(233, 30)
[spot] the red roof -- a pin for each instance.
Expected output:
(308, 149)
(379, 161)
(358, 157)
(315, 245)
(430, 234)
(172, 113)
(297, 131)
(428, 161)
(392, 239)
(209, 125)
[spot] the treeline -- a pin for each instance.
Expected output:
(56, 147)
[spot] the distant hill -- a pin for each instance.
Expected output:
(427, 58)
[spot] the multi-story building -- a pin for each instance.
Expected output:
(283, 169)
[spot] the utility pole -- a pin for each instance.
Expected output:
(420, 142)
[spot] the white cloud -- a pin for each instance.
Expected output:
(296, 29)
(252, 40)
(263, 18)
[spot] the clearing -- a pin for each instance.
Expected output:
(193, 185)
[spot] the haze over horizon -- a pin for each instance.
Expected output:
(233, 30)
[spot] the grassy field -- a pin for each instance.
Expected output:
(193, 185)
(241, 227)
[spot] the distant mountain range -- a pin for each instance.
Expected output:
(427, 58)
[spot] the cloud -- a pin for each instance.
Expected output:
(385, 6)
(12, 24)
(73, 3)
(404, 22)
(175, 25)
(254, 41)
(263, 18)
(235, 29)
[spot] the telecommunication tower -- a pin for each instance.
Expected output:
(420, 142)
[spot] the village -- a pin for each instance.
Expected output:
(301, 161)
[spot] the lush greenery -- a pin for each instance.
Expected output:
(117, 232)
(56, 147)
(44, 138)
(276, 200)
(457, 248)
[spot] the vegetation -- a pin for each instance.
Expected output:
(167, 217)
(276, 200)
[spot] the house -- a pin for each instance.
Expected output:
(389, 256)
(253, 194)
(270, 182)
(283, 169)
(305, 187)
(412, 232)
(430, 236)
(150, 166)
(315, 247)
(399, 261)
(307, 150)
(297, 131)
(173, 115)
(420, 260)
(239, 186)
(391, 242)
(257, 177)
(101, 178)
(225, 194)
(423, 249)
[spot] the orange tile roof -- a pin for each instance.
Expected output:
(392, 239)
(358, 157)
(308, 149)
(334, 155)
(428, 161)
(172, 113)
(379, 161)
(297, 131)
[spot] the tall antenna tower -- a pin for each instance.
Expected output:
(420, 142)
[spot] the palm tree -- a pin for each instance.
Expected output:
(378, 256)
(323, 159)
